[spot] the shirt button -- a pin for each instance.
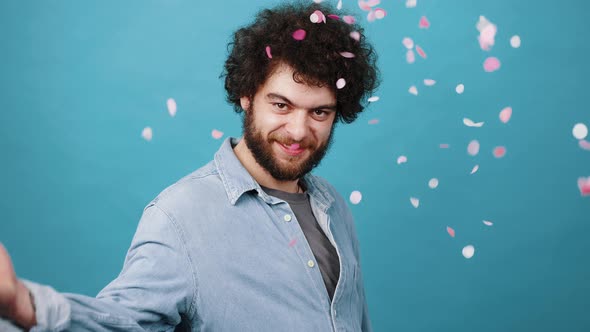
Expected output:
(310, 263)
(287, 217)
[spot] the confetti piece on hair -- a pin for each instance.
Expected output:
(268, 54)
(408, 42)
(487, 33)
(402, 159)
(334, 16)
(491, 64)
(515, 41)
(505, 114)
(410, 57)
(355, 197)
(475, 168)
(413, 90)
(292, 243)
(373, 99)
(415, 202)
(348, 19)
(468, 251)
(339, 5)
(451, 231)
(444, 146)
(460, 88)
(171, 104)
(355, 35)
(147, 133)
(469, 123)
(433, 183)
(487, 223)
(340, 83)
(420, 51)
(584, 186)
(499, 151)
(429, 82)
(347, 55)
(411, 3)
(424, 24)
(584, 144)
(299, 34)
(580, 131)
(380, 13)
(216, 134)
(373, 121)
(317, 17)
(473, 148)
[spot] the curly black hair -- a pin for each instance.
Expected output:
(316, 60)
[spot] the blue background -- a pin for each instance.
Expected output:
(80, 80)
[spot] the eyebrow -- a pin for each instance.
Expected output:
(286, 100)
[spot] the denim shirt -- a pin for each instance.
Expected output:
(214, 252)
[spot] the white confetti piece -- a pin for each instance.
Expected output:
(314, 18)
(429, 82)
(460, 88)
(475, 168)
(147, 133)
(411, 3)
(469, 123)
(488, 223)
(487, 33)
(580, 131)
(347, 55)
(473, 148)
(355, 197)
(515, 41)
(373, 99)
(468, 251)
(410, 57)
(433, 183)
(408, 43)
(339, 5)
(415, 202)
(355, 35)
(340, 83)
(380, 13)
(402, 159)
(216, 134)
(413, 90)
(171, 104)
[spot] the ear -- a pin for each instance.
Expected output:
(245, 103)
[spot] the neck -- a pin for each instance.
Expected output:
(260, 174)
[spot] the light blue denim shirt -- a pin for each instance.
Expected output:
(214, 252)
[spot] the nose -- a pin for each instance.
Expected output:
(297, 126)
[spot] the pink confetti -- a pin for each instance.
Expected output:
(348, 19)
(491, 64)
(424, 24)
(473, 148)
(451, 231)
(380, 13)
(499, 151)
(420, 52)
(347, 55)
(415, 202)
(444, 146)
(487, 33)
(268, 54)
(410, 57)
(299, 34)
(371, 16)
(355, 197)
(171, 104)
(505, 114)
(469, 123)
(487, 223)
(402, 159)
(340, 83)
(216, 134)
(468, 251)
(317, 17)
(408, 42)
(355, 35)
(475, 168)
(334, 16)
(292, 243)
(584, 186)
(584, 144)
(147, 133)
(429, 82)
(413, 90)
(364, 5)
(373, 121)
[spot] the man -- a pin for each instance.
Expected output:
(251, 241)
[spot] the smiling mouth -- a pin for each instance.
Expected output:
(292, 149)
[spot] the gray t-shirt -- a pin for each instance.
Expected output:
(324, 252)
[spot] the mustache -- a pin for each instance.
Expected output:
(286, 140)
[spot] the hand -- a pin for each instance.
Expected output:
(15, 300)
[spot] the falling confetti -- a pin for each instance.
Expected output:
(268, 54)
(292, 243)
(491, 64)
(415, 202)
(469, 123)
(348, 19)
(515, 41)
(468, 251)
(420, 52)
(371, 16)
(444, 146)
(413, 90)
(505, 114)
(475, 168)
(424, 24)
(487, 33)
(580, 131)
(584, 144)
(411, 3)
(460, 88)
(339, 5)
(488, 223)
(373, 99)
(473, 148)
(171, 104)
(429, 82)
(216, 134)
(347, 55)
(499, 151)
(299, 34)
(433, 183)
(147, 133)
(355, 35)
(402, 159)
(451, 231)
(410, 57)
(355, 197)
(373, 121)
(340, 83)
(408, 43)
(380, 13)
(584, 186)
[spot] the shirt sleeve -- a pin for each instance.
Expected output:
(154, 291)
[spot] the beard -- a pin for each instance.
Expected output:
(295, 167)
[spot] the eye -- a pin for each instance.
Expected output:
(320, 114)
(280, 106)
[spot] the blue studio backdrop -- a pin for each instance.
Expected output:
(445, 245)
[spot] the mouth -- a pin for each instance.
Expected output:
(294, 149)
